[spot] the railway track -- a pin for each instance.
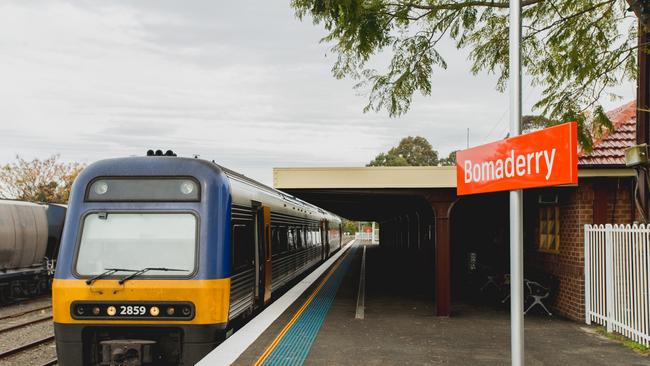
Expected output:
(26, 301)
(23, 313)
(12, 335)
(26, 347)
(51, 362)
(24, 324)
(16, 315)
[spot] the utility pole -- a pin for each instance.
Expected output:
(642, 10)
(516, 197)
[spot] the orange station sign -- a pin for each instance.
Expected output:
(543, 158)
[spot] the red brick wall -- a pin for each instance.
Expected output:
(577, 210)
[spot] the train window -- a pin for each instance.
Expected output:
(279, 239)
(308, 238)
(284, 238)
(143, 190)
(298, 239)
(242, 246)
(291, 244)
(128, 240)
(275, 239)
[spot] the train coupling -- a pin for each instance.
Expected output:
(127, 352)
(50, 265)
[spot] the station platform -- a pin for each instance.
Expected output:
(398, 324)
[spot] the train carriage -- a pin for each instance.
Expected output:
(29, 240)
(160, 254)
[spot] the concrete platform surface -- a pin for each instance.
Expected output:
(400, 327)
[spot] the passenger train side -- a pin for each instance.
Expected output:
(160, 254)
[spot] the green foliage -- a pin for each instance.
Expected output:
(449, 160)
(575, 50)
(46, 180)
(411, 151)
(350, 226)
(637, 347)
(591, 124)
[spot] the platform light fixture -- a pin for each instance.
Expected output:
(636, 155)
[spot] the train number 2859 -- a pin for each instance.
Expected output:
(132, 310)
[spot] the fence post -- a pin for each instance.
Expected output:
(609, 269)
(587, 277)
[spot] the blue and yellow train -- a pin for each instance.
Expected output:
(160, 254)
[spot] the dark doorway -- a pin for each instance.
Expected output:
(479, 246)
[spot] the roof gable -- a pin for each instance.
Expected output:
(610, 149)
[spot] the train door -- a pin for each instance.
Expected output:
(321, 233)
(326, 240)
(263, 272)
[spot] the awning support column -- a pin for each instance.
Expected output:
(442, 258)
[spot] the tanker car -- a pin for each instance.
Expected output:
(29, 238)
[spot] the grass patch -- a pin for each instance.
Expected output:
(636, 347)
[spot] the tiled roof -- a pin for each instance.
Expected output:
(610, 149)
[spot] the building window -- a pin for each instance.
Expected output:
(549, 229)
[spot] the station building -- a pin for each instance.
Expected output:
(466, 239)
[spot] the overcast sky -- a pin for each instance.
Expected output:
(242, 82)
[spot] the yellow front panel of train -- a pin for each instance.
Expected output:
(210, 298)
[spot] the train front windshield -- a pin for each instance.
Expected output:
(136, 241)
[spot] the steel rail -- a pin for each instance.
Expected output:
(27, 346)
(25, 312)
(24, 324)
(51, 362)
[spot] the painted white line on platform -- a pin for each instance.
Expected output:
(361, 294)
(230, 350)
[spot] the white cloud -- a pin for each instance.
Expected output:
(244, 83)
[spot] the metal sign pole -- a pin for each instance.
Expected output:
(516, 197)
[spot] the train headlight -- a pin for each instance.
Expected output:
(101, 187)
(170, 311)
(111, 310)
(96, 310)
(186, 311)
(187, 187)
(154, 311)
(81, 310)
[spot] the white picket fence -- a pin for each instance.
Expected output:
(617, 282)
(367, 236)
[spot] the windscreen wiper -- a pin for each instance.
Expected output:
(107, 272)
(142, 271)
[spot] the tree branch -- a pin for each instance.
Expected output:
(564, 19)
(465, 4)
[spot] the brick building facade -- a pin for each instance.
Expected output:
(605, 199)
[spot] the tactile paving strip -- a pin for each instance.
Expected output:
(294, 346)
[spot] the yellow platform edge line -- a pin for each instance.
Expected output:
(295, 317)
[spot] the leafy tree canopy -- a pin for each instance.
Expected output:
(350, 226)
(591, 125)
(449, 160)
(46, 180)
(411, 151)
(575, 50)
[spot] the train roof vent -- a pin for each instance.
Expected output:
(160, 153)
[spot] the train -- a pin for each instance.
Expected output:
(30, 234)
(162, 255)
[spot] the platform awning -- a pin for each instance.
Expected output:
(392, 177)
